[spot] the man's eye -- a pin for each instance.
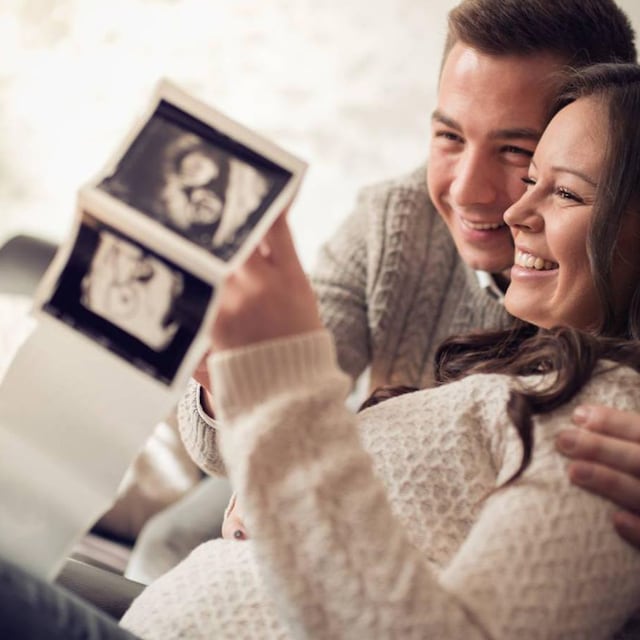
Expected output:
(517, 150)
(448, 135)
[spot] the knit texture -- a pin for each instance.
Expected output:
(390, 286)
(378, 525)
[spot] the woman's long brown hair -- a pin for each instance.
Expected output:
(567, 354)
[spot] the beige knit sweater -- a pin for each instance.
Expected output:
(391, 285)
(376, 526)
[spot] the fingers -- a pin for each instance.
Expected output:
(267, 297)
(582, 444)
(278, 242)
(619, 487)
(276, 248)
(628, 526)
(622, 489)
(605, 454)
(233, 525)
(608, 421)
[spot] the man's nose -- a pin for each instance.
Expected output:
(474, 180)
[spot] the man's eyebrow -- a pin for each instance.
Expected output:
(519, 133)
(438, 116)
(515, 133)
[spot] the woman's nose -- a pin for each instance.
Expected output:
(523, 215)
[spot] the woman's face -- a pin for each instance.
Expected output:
(551, 281)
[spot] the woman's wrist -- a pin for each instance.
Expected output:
(206, 407)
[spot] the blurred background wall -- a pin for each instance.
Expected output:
(346, 84)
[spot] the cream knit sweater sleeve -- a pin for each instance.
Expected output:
(541, 561)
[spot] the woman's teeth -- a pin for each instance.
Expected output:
(528, 261)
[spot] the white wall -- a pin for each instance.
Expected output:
(347, 84)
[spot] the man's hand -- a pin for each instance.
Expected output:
(605, 453)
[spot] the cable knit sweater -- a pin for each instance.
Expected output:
(377, 526)
(391, 286)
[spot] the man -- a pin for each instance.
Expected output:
(428, 255)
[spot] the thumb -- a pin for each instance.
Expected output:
(280, 242)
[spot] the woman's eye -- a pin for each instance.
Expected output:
(565, 194)
(530, 182)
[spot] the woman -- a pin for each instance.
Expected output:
(436, 518)
(463, 535)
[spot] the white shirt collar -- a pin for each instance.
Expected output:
(488, 283)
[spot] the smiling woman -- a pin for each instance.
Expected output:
(433, 496)
(551, 281)
(583, 183)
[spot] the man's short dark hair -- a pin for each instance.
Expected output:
(581, 32)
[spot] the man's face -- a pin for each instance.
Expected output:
(490, 114)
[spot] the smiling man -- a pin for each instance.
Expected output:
(478, 155)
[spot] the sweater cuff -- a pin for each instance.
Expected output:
(246, 377)
(210, 421)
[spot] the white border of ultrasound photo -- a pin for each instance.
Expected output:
(130, 301)
(261, 179)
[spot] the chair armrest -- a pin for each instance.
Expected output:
(106, 590)
(23, 261)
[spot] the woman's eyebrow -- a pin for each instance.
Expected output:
(560, 169)
(583, 176)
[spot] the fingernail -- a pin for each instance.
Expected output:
(580, 473)
(626, 525)
(580, 415)
(566, 441)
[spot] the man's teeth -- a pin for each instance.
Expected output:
(528, 261)
(482, 226)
